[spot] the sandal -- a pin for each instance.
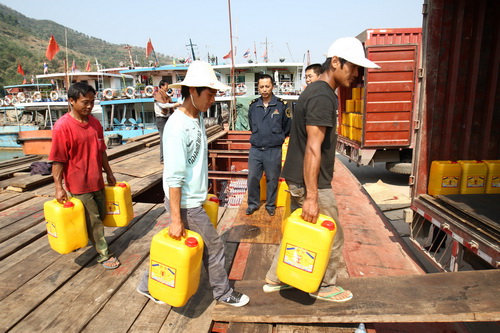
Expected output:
(331, 297)
(272, 286)
(111, 263)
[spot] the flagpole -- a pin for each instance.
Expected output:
(233, 84)
(67, 61)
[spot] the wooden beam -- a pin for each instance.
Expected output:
(442, 297)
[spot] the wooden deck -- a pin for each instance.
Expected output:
(43, 291)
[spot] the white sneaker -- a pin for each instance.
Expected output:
(236, 299)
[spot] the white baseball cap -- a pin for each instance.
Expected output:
(350, 49)
(200, 74)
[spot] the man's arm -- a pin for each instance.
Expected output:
(312, 161)
(57, 174)
(107, 169)
(176, 229)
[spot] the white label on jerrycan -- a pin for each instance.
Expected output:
(300, 258)
(51, 228)
(163, 273)
(113, 208)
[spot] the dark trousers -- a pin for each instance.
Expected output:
(268, 160)
(160, 124)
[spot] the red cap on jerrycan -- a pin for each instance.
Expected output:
(214, 199)
(68, 204)
(121, 185)
(328, 224)
(191, 242)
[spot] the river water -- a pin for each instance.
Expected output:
(7, 154)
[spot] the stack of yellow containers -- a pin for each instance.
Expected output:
(352, 120)
(464, 177)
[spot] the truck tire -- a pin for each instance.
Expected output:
(402, 168)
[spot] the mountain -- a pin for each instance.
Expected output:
(25, 40)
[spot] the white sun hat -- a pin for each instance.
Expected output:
(200, 74)
(350, 49)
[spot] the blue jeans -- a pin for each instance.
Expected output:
(328, 207)
(268, 160)
(197, 220)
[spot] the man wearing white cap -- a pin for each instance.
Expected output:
(185, 178)
(308, 168)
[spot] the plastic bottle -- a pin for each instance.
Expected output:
(119, 210)
(211, 206)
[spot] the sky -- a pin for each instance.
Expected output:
(291, 28)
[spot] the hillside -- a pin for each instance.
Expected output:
(25, 40)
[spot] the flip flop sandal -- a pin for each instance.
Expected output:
(113, 261)
(269, 288)
(330, 298)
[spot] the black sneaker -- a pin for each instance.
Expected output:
(148, 295)
(236, 299)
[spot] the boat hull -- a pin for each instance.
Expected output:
(36, 142)
(9, 135)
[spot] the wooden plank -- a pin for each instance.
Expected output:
(75, 303)
(13, 199)
(250, 328)
(50, 276)
(20, 240)
(256, 228)
(118, 151)
(21, 225)
(321, 328)
(28, 182)
(141, 185)
(142, 137)
(441, 297)
(22, 210)
(19, 160)
(140, 166)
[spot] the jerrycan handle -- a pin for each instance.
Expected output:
(328, 224)
(191, 242)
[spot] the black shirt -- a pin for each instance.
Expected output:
(316, 106)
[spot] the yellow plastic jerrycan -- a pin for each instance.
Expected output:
(175, 265)
(444, 178)
(493, 178)
(119, 210)
(282, 194)
(66, 226)
(211, 206)
(305, 251)
(473, 178)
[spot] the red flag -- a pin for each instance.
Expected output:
(149, 48)
(52, 49)
(88, 68)
(227, 56)
(20, 69)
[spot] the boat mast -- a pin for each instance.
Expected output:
(233, 84)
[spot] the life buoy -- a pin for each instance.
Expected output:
(170, 92)
(130, 92)
(14, 100)
(149, 90)
(7, 101)
(21, 97)
(37, 96)
(108, 93)
(54, 96)
(220, 93)
(241, 89)
(287, 87)
(1, 102)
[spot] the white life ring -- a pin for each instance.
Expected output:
(241, 89)
(130, 92)
(21, 97)
(7, 101)
(108, 93)
(287, 87)
(1, 102)
(149, 90)
(14, 100)
(37, 96)
(170, 92)
(54, 96)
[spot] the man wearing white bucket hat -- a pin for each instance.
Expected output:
(185, 178)
(308, 169)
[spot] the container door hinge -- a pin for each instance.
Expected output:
(420, 73)
(411, 180)
(416, 124)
